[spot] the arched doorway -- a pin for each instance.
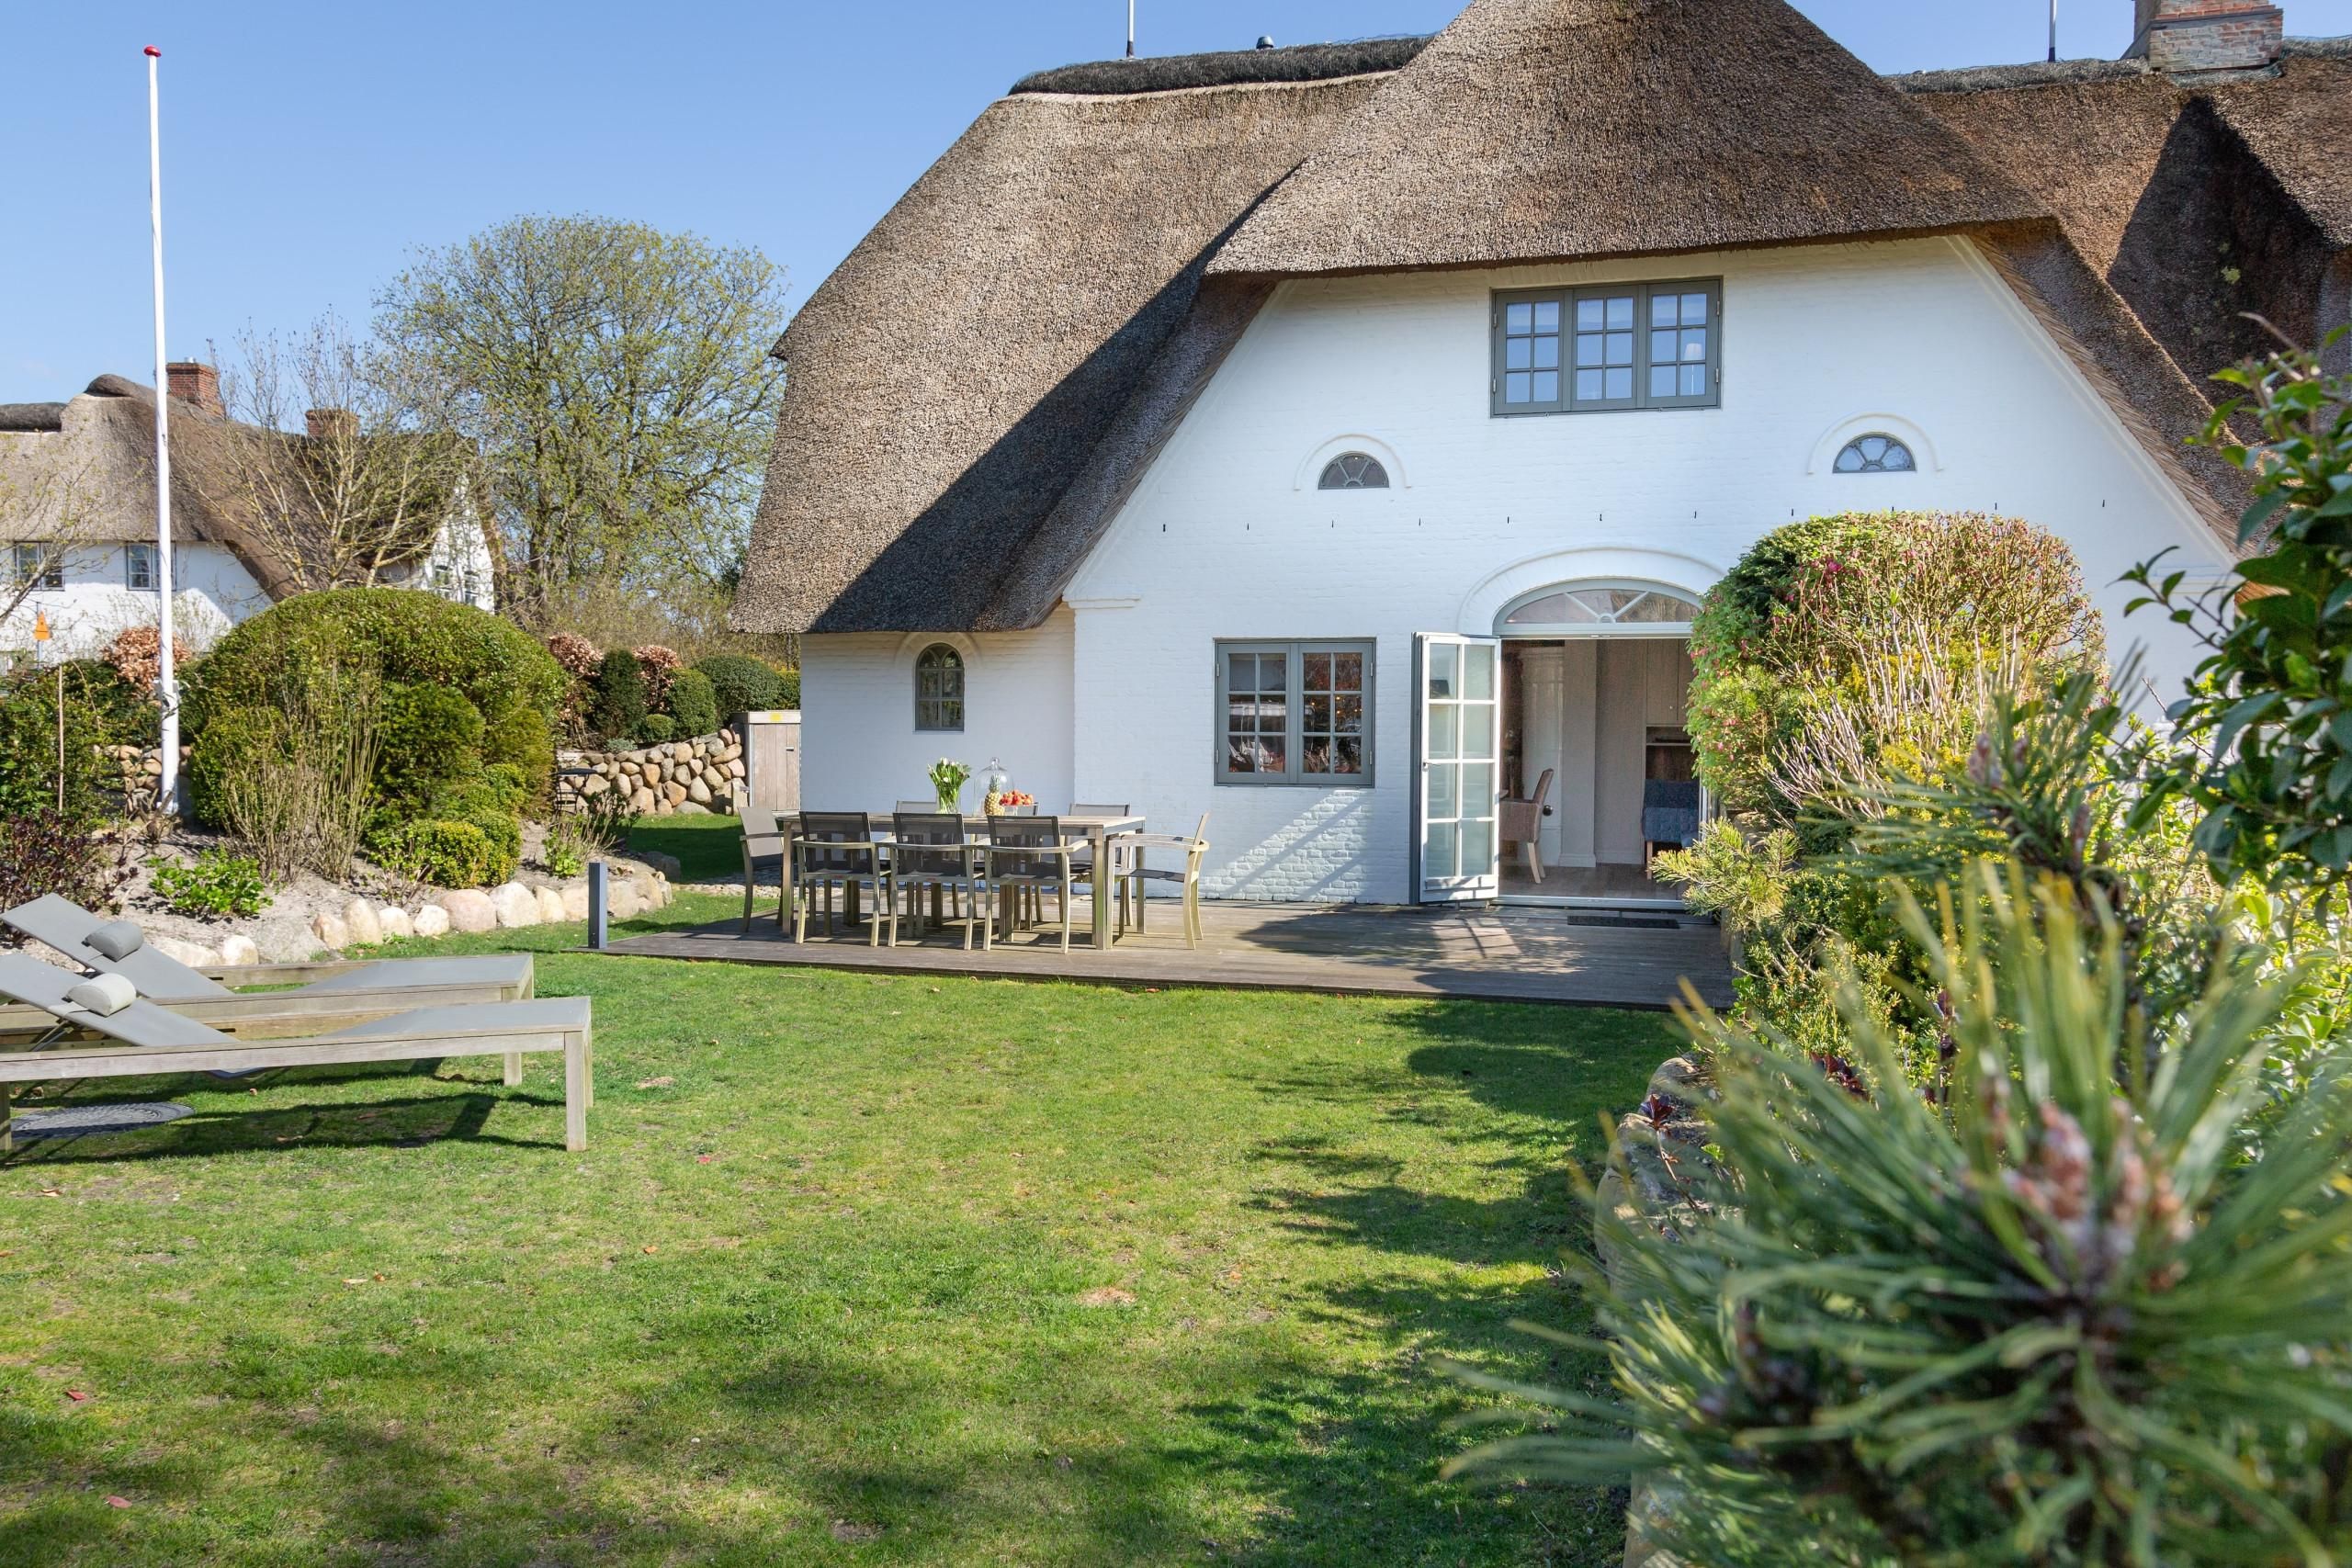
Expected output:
(1596, 675)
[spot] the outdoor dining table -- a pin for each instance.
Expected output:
(1098, 831)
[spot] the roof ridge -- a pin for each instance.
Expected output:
(1226, 68)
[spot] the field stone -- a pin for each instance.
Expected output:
(622, 900)
(666, 864)
(641, 801)
(691, 809)
(470, 909)
(699, 793)
(575, 901)
(394, 920)
(360, 920)
(551, 905)
(332, 931)
(515, 904)
(432, 920)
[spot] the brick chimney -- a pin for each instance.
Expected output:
(324, 423)
(2208, 35)
(196, 382)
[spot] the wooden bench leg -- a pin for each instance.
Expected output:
(8, 1119)
(514, 1068)
(575, 1094)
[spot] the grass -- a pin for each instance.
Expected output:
(709, 849)
(856, 1270)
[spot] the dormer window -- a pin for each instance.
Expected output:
(1623, 345)
(1876, 453)
(1353, 470)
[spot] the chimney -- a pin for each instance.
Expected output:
(2184, 36)
(324, 423)
(195, 382)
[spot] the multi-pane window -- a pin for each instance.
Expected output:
(39, 565)
(139, 567)
(939, 688)
(1628, 345)
(1353, 470)
(1294, 712)
(1875, 454)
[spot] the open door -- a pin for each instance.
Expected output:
(1457, 747)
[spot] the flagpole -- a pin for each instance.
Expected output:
(167, 791)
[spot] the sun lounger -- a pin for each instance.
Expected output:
(121, 947)
(142, 1039)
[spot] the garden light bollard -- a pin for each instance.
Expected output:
(597, 906)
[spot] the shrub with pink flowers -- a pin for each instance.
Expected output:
(659, 663)
(576, 654)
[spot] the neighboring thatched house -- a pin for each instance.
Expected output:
(1174, 436)
(77, 517)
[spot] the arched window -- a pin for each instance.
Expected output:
(1597, 608)
(1875, 454)
(1353, 470)
(939, 688)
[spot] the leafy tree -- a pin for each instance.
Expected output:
(2271, 712)
(615, 381)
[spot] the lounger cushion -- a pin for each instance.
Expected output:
(105, 995)
(117, 939)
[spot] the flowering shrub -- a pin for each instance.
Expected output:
(657, 664)
(137, 655)
(574, 654)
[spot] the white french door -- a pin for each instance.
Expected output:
(1457, 747)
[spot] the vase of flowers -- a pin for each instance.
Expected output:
(947, 778)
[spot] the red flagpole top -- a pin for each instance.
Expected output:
(154, 53)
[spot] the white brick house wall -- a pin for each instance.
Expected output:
(1228, 537)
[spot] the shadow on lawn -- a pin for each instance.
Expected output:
(276, 1127)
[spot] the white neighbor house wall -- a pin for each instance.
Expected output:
(212, 592)
(859, 747)
(1228, 537)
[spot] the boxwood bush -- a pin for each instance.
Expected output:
(693, 703)
(741, 685)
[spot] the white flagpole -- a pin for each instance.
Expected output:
(167, 791)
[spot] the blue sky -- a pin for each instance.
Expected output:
(308, 146)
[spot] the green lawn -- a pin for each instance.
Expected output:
(709, 849)
(856, 1270)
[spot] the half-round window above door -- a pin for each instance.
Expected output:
(1876, 453)
(1353, 470)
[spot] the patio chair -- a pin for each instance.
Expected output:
(1671, 809)
(120, 947)
(920, 807)
(144, 1039)
(930, 850)
(764, 853)
(1083, 861)
(836, 849)
(1196, 848)
(1521, 823)
(1026, 854)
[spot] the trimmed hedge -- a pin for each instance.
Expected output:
(407, 637)
(616, 695)
(693, 702)
(740, 684)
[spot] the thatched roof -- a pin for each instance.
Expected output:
(1544, 129)
(91, 473)
(946, 384)
(32, 416)
(1230, 68)
(975, 391)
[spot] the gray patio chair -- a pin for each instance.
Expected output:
(120, 947)
(1082, 856)
(836, 849)
(931, 849)
(1522, 824)
(1026, 854)
(920, 807)
(1136, 872)
(764, 853)
(146, 1039)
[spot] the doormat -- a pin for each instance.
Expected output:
(82, 1121)
(1626, 923)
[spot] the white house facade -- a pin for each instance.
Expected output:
(1333, 577)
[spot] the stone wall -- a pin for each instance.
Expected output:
(139, 768)
(678, 778)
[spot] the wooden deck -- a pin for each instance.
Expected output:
(1508, 954)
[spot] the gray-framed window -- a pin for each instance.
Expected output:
(1294, 712)
(1620, 345)
(939, 688)
(1353, 470)
(39, 566)
(139, 567)
(1877, 453)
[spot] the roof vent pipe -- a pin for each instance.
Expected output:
(1266, 41)
(1131, 30)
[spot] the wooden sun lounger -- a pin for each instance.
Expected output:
(142, 1039)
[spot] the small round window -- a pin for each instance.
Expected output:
(1353, 470)
(1875, 454)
